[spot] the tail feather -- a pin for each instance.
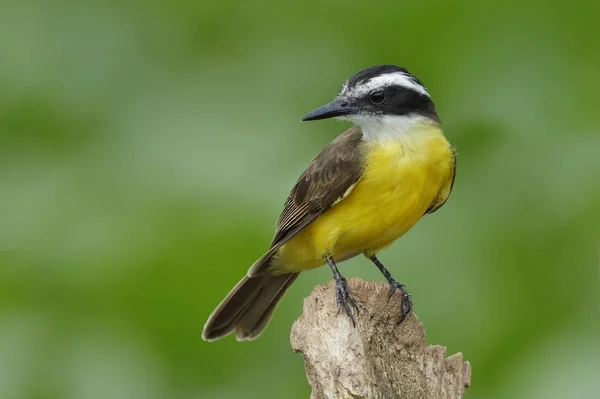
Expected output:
(248, 307)
(256, 317)
(235, 303)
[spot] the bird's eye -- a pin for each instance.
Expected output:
(377, 97)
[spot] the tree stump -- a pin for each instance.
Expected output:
(378, 358)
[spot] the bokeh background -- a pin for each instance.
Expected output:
(147, 149)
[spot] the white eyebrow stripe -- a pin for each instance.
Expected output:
(389, 79)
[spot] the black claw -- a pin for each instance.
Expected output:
(342, 295)
(344, 299)
(393, 287)
(406, 298)
(406, 306)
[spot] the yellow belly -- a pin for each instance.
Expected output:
(400, 181)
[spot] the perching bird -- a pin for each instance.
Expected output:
(363, 191)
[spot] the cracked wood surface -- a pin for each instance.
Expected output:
(378, 358)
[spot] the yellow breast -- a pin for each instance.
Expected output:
(400, 180)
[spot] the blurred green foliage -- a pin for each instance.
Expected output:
(146, 150)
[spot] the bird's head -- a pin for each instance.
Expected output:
(383, 93)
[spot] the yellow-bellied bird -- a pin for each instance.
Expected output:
(363, 191)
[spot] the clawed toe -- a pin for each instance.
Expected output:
(345, 300)
(406, 306)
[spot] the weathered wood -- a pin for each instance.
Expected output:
(379, 358)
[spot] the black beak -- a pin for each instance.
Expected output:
(335, 108)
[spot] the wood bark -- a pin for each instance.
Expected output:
(378, 358)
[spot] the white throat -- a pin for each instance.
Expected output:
(388, 127)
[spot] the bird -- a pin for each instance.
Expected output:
(358, 195)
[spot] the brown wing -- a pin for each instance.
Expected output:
(444, 193)
(329, 177)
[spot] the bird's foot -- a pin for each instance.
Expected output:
(406, 306)
(344, 299)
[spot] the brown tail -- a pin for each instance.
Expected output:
(248, 307)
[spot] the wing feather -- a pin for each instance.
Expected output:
(328, 178)
(444, 193)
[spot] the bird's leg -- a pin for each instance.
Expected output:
(394, 285)
(342, 295)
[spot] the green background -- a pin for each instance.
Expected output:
(146, 150)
